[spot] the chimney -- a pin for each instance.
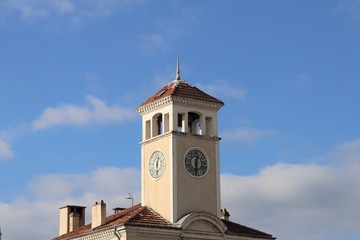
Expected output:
(98, 214)
(225, 214)
(118, 209)
(71, 218)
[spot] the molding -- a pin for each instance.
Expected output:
(204, 137)
(188, 219)
(104, 235)
(152, 232)
(213, 106)
(154, 105)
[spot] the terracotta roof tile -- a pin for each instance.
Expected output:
(136, 215)
(144, 216)
(241, 230)
(180, 88)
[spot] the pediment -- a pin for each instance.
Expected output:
(202, 222)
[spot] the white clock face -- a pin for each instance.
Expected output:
(196, 162)
(157, 164)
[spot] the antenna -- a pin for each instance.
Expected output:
(129, 197)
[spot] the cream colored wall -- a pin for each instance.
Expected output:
(157, 193)
(197, 194)
(64, 220)
(177, 193)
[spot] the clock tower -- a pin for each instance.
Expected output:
(180, 151)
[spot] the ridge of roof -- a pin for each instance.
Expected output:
(181, 88)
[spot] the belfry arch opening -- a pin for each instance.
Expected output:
(194, 123)
(158, 127)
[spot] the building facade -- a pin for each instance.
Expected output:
(180, 177)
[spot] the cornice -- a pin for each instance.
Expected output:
(213, 106)
(177, 133)
(152, 232)
(154, 105)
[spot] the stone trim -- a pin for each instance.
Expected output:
(104, 235)
(214, 106)
(152, 232)
(209, 138)
(154, 105)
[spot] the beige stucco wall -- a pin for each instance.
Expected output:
(177, 193)
(157, 193)
(196, 194)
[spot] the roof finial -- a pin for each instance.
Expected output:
(177, 70)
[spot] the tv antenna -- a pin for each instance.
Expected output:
(131, 197)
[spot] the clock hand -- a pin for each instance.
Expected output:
(196, 165)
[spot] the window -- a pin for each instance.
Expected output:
(194, 123)
(159, 122)
(157, 125)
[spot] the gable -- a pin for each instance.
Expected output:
(202, 222)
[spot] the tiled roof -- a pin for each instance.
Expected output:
(144, 216)
(136, 215)
(241, 230)
(180, 88)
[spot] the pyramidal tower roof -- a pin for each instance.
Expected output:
(180, 88)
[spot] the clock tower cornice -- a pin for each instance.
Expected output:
(177, 133)
(181, 101)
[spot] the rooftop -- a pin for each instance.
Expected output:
(146, 217)
(181, 88)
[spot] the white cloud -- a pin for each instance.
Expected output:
(352, 7)
(39, 217)
(74, 10)
(291, 201)
(223, 89)
(5, 150)
(300, 201)
(96, 112)
(248, 134)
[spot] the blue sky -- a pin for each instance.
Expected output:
(73, 72)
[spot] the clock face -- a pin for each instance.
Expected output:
(196, 162)
(157, 164)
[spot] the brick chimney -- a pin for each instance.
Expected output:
(225, 214)
(98, 214)
(71, 218)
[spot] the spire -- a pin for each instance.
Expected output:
(178, 70)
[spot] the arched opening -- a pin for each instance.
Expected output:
(194, 123)
(157, 125)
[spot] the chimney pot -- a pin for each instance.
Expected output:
(98, 214)
(71, 218)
